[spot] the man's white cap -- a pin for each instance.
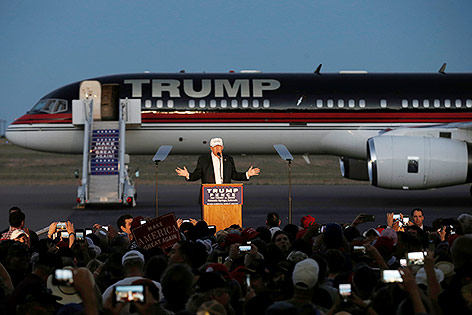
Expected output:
(216, 141)
(305, 274)
(132, 255)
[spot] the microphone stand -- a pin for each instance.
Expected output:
(221, 165)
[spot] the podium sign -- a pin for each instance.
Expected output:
(222, 204)
(159, 232)
(222, 195)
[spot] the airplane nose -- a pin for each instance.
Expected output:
(15, 136)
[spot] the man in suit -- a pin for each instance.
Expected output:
(216, 167)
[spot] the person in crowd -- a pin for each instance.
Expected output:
(273, 220)
(17, 218)
(124, 224)
(133, 266)
(417, 216)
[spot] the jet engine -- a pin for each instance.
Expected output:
(404, 162)
(353, 168)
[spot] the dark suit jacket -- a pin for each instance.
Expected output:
(205, 172)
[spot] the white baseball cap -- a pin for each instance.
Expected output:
(305, 274)
(132, 255)
(216, 141)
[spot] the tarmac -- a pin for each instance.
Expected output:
(327, 203)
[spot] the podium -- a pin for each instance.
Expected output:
(222, 204)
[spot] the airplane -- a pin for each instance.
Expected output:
(397, 130)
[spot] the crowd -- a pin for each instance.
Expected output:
(402, 267)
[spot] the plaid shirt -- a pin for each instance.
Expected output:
(6, 235)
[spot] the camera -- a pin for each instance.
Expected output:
(244, 248)
(128, 293)
(391, 276)
(345, 290)
(415, 258)
(63, 277)
(79, 235)
(359, 249)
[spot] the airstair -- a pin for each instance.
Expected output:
(105, 178)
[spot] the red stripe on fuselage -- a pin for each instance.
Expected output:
(271, 117)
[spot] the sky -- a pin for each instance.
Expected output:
(47, 44)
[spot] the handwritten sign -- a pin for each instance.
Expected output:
(159, 232)
(222, 195)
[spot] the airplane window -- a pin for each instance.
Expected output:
(191, 103)
(319, 103)
(330, 103)
(49, 106)
(38, 106)
(383, 103)
(212, 103)
(202, 103)
(159, 104)
(266, 103)
(362, 103)
(416, 103)
(61, 106)
(147, 103)
(425, 103)
(234, 103)
(352, 103)
(447, 103)
(255, 103)
(458, 103)
(404, 103)
(170, 103)
(437, 103)
(468, 103)
(340, 103)
(245, 104)
(224, 103)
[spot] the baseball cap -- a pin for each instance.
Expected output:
(216, 141)
(132, 254)
(305, 274)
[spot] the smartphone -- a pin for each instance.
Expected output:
(79, 235)
(248, 280)
(142, 222)
(244, 248)
(128, 293)
(63, 277)
(406, 220)
(345, 290)
(397, 217)
(88, 231)
(61, 226)
(212, 229)
(415, 258)
(403, 262)
(391, 276)
(64, 234)
(368, 218)
(359, 249)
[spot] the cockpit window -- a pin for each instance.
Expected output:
(50, 106)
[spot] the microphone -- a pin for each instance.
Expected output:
(221, 165)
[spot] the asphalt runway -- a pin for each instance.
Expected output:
(327, 203)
